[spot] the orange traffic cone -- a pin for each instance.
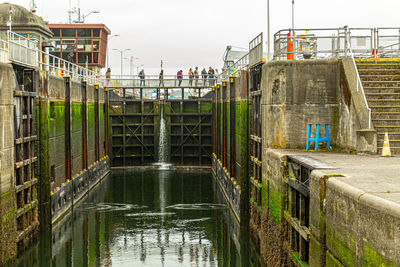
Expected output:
(386, 147)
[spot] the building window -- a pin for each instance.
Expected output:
(68, 45)
(65, 56)
(96, 58)
(56, 43)
(82, 57)
(85, 44)
(68, 32)
(96, 32)
(56, 32)
(84, 32)
(96, 44)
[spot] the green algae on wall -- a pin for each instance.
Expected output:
(345, 252)
(373, 258)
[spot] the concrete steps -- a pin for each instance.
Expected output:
(381, 83)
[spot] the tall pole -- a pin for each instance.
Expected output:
(293, 15)
(108, 41)
(268, 34)
(121, 66)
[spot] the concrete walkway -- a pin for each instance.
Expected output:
(379, 176)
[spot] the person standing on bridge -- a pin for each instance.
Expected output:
(142, 77)
(191, 76)
(196, 76)
(204, 75)
(179, 76)
(211, 76)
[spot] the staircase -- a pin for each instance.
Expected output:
(381, 82)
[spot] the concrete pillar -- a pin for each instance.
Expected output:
(44, 185)
(8, 228)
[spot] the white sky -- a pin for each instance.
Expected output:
(187, 33)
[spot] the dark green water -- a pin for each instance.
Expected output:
(147, 218)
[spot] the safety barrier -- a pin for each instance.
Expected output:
(74, 190)
(256, 50)
(229, 185)
(24, 51)
(328, 43)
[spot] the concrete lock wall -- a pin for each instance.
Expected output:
(230, 142)
(70, 132)
(295, 94)
(8, 230)
(58, 102)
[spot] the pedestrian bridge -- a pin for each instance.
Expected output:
(154, 81)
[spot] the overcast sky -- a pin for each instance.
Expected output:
(187, 33)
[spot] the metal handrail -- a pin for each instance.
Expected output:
(233, 70)
(25, 51)
(359, 82)
(331, 42)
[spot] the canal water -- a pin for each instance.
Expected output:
(147, 218)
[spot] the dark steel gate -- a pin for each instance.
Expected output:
(25, 156)
(134, 122)
(189, 119)
(256, 142)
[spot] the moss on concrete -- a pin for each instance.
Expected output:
(343, 247)
(275, 204)
(373, 258)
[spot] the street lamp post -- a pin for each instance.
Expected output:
(108, 39)
(131, 64)
(293, 15)
(121, 52)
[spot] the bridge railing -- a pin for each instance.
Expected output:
(154, 81)
(159, 93)
(329, 43)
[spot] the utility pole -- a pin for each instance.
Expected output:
(293, 16)
(121, 52)
(108, 40)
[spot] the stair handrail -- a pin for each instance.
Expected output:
(359, 83)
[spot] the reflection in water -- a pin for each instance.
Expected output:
(148, 218)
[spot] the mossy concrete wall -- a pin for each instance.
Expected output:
(8, 230)
(348, 226)
(57, 98)
(233, 138)
(362, 229)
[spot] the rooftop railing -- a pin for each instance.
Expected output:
(299, 44)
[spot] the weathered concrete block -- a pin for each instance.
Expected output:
(76, 91)
(7, 84)
(367, 141)
(56, 88)
(296, 94)
(6, 169)
(362, 229)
